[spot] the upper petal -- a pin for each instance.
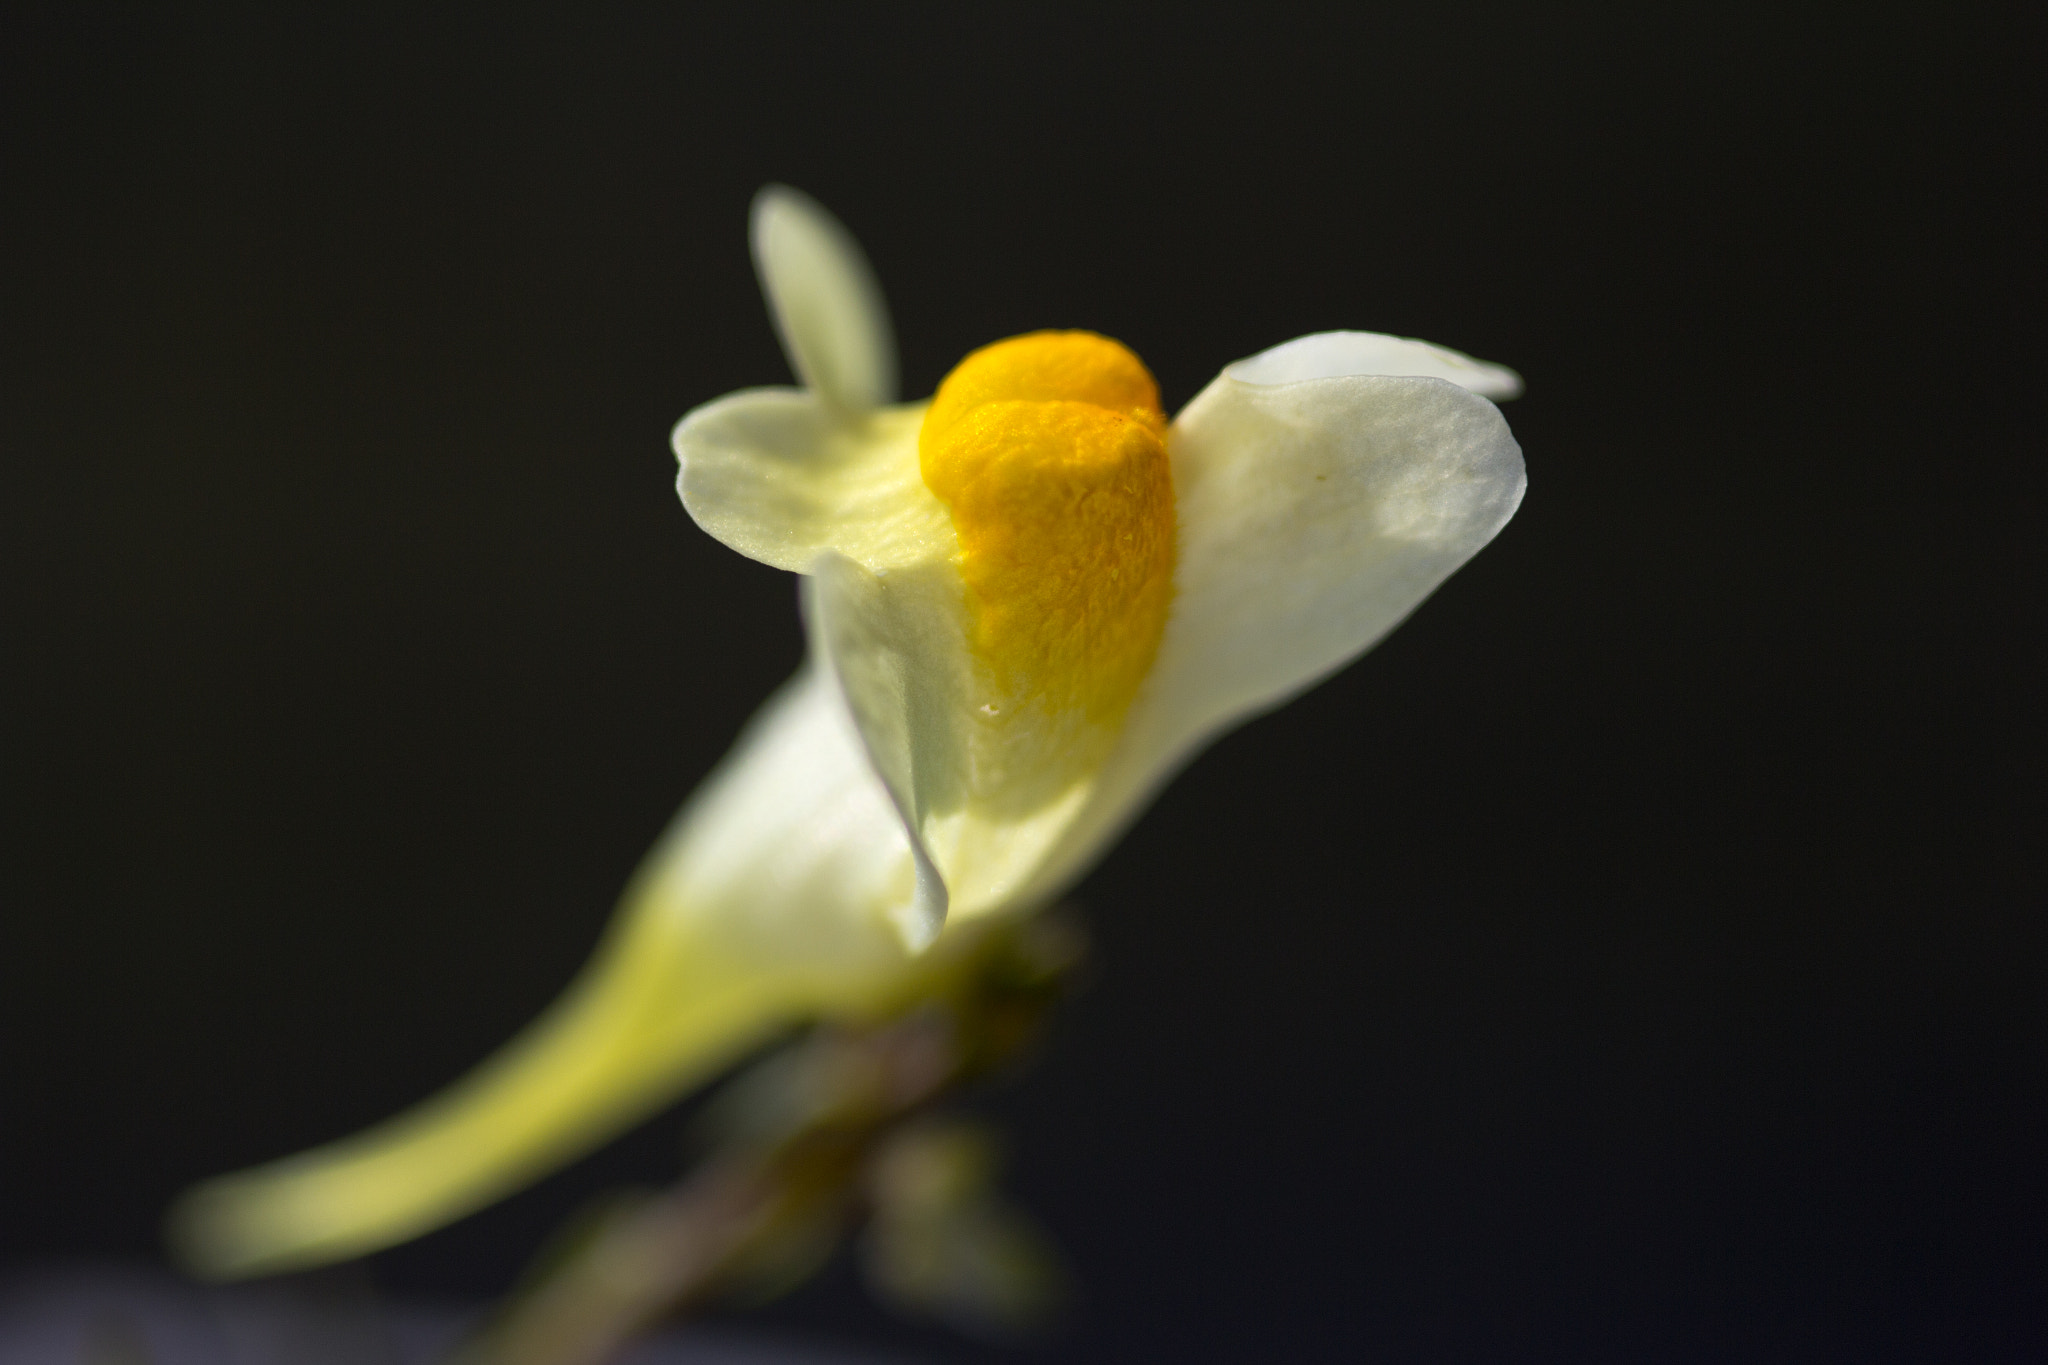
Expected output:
(1316, 511)
(828, 307)
(779, 476)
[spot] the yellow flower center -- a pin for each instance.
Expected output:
(1049, 451)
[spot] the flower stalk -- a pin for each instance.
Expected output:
(830, 1135)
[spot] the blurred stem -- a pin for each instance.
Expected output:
(790, 1174)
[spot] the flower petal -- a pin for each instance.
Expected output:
(1333, 355)
(1315, 514)
(792, 851)
(759, 907)
(828, 307)
(990, 797)
(859, 633)
(781, 477)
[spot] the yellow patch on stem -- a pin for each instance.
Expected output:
(1049, 451)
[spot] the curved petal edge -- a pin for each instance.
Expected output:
(1338, 355)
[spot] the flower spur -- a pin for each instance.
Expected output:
(1028, 602)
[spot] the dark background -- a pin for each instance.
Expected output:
(1637, 957)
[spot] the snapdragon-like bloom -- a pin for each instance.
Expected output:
(1029, 601)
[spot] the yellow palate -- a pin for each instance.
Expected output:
(1049, 451)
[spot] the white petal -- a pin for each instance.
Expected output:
(828, 307)
(859, 632)
(779, 476)
(1333, 355)
(792, 852)
(990, 797)
(1314, 515)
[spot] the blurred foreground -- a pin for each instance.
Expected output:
(133, 1317)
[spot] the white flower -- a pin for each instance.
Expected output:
(1009, 654)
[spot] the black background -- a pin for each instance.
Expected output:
(1637, 957)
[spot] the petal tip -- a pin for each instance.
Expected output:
(920, 922)
(827, 305)
(203, 1236)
